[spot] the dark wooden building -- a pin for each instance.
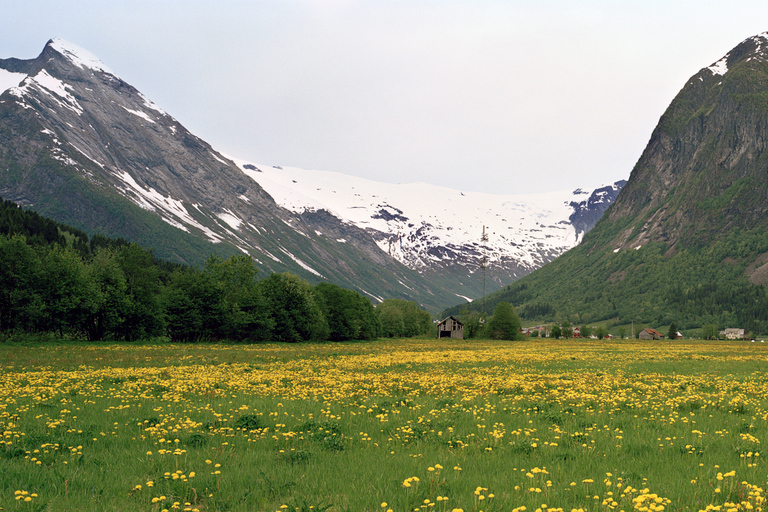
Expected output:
(450, 328)
(650, 334)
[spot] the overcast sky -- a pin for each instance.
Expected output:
(496, 96)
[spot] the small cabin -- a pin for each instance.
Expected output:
(650, 334)
(451, 327)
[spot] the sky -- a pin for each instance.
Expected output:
(512, 97)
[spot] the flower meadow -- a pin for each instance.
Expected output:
(395, 425)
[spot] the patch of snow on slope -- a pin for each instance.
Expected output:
(151, 105)
(302, 264)
(214, 155)
(140, 114)
(78, 56)
(419, 216)
(9, 79)
(54, 87)
(175, 213)
(720, 67)
(230, 219)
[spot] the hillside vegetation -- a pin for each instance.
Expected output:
(54, 280)
(692, 288)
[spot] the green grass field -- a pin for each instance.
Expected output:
(404, 425)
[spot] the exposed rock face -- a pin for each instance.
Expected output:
(703, 172)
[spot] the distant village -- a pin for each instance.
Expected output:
(452, 327)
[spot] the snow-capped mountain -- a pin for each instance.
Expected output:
(80, 145)
(431, 229)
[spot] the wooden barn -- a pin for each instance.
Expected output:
(650, 334)
(450, 328)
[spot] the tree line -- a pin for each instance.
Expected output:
(53, 279)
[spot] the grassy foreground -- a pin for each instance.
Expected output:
(400, 425)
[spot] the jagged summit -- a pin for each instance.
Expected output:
(755, 47)
(78, 56)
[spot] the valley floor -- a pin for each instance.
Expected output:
(397, 425)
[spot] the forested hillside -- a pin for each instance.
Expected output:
(712, 285)
(53, 279)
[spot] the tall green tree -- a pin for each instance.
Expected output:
(402, 318)
(567, 329)
(504, 324)
(21, 305)
(349, 315)
(246, 315)
(64, 290)
(143, 314)
(672, 333)
(293, 307)
(193, 306)
(472, 323)
(107, 296)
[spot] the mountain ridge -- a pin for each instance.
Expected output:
(86, 148)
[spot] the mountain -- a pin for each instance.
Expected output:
(80, 145)
(437, 230)
(686, 238)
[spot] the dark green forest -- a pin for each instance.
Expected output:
(55, 280)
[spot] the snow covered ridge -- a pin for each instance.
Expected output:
(422, 224)
(761, 41)
(78, 56)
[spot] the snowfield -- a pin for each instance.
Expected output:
(414, 219)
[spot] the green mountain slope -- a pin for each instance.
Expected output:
(686, 239)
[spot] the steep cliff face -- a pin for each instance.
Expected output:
(703, 172)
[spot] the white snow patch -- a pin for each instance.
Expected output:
(151, 105)
(54, 87)
(78, 56)
(174, 211)
(638, 247)
(372, 295)
(87, 156)
(463, 297)
(9, 79)
(244, 198)
(617, 250)
(302, 264)
(140, 114)
(230, 219)
(720, 67)
(341, 240)
(214, 155)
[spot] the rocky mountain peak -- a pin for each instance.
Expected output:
(77, 56)
(703, 170)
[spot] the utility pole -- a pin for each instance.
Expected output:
(484, 263)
